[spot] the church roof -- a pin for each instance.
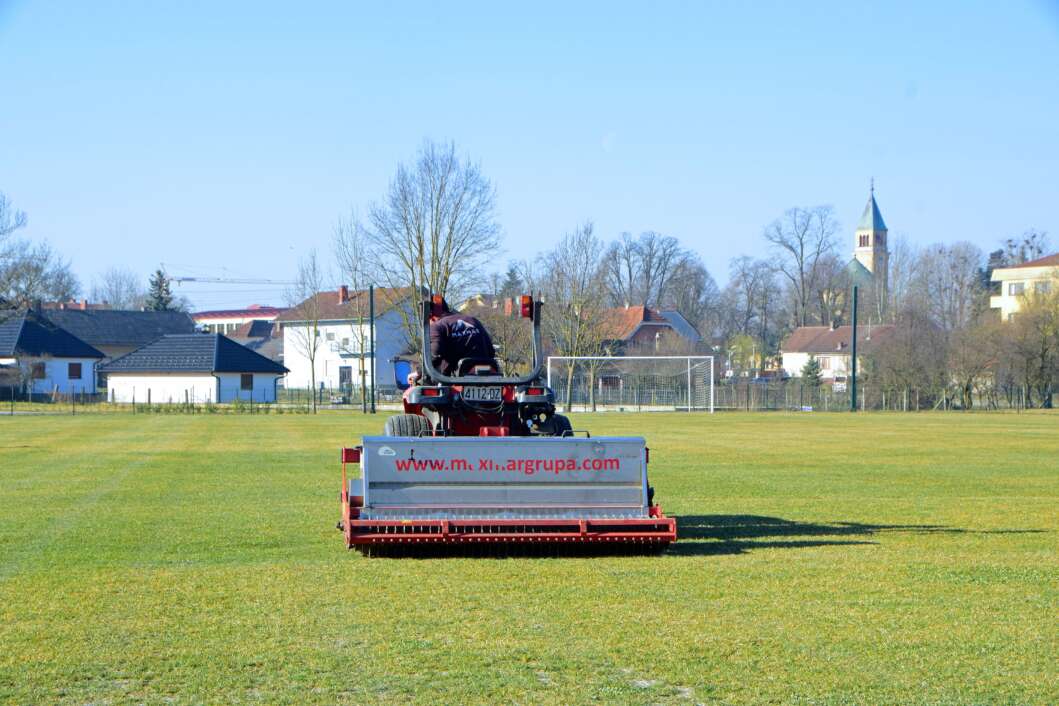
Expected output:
(859, 274)
(871, 219)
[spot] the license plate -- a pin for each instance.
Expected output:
(483, 394)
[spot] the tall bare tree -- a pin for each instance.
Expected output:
(571, 281)
(29, 271)
(436, 230)
(949, 283)
(350, 242)
(305, 298)
(120, 288)
(802, 239)
(10, 219)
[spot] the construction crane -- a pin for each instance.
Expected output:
(230, 280)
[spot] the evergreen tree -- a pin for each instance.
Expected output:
(159, 297)
(811, 372)
(512, 286)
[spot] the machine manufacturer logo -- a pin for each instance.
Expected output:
(386, 451)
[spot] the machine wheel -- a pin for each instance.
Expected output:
(557, 425)
(406, 425)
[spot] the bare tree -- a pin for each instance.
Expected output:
(436, 229)
(1029, 246)
(802, 239)
(120, 288)
(30, 273)
(949, 283)
(571, 282)
(350, 241)
(972, 356)
(1032, 347)
(638, 271)
(305, 297)
(753, 300)
(10, 219)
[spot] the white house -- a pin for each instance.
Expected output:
(41, 358)
(197, 368)
(1019, 282)
(831, 348)
(228, 320)
(342, 337)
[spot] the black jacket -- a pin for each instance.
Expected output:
(454, 337)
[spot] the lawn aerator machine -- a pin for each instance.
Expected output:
(479, 458)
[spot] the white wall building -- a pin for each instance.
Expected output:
(44, 359)
(831, 348)
(194, 368)
(1018, 282)
(343, 338)
(228, 320)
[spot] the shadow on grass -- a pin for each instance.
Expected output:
(737, 534)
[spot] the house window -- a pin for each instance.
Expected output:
(1042, 287)
(330, 336)
(246, 381)
(345, 343)
(1016, 288)
(73, 371)
(825, 363)
(865, 241)
(37, 371)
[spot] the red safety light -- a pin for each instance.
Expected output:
(432, 392)
(527, 306)
(534, 391)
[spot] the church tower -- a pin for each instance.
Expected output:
(869, 245)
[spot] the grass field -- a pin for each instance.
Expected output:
(824, 559)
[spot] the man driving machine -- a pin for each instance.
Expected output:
(454, 337)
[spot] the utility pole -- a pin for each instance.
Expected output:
(853, 357)
(371, 329)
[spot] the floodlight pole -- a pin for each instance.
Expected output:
(853, 357)
(371, 329)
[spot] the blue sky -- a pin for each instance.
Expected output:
(233, 135)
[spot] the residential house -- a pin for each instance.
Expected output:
(1017, 282)
(226, 321)
(197, 368)
(342, 337)
(831, 348)
(641, 330)
(40, 358)
(116, 332)
(262, 336)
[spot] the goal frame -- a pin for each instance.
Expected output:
(618, 358)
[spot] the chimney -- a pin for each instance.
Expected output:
(84, 305)
(343, 294)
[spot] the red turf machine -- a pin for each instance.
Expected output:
(482, 459)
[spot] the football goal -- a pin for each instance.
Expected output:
(632, 383)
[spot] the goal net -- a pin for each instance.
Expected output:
(632, 383)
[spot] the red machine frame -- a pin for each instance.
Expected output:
(656, 530)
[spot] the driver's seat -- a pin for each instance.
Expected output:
(469, 367)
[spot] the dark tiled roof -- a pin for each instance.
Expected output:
(26, 333)
(328, 305)
(111, 327)
(824, 339)
(193, 353)
(258, 328)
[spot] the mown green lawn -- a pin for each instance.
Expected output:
(874, 558)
